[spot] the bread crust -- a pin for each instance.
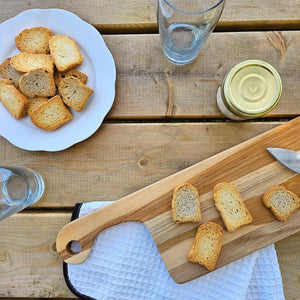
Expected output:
(51, 114)
(64, 44)
(34, 103)
(74, 93)
(234, 211)
(275, 207)
(24, 62)
(58, 76)
(8, 72)
(177, 215)
(34, 40)
(207, 245)
(37, 82)
(14, 101)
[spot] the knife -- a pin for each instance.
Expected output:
(289, 158)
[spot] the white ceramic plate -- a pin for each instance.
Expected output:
(98, 64)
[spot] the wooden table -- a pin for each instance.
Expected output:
(164, 119)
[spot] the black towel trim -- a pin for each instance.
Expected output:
(75, 215)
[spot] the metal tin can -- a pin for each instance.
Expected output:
(250, 90)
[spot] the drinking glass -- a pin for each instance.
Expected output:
(184, 26)
(20, 187)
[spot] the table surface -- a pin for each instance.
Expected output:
(164, 119)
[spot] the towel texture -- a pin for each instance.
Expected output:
(124, 264)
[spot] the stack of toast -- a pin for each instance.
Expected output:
(42, 79)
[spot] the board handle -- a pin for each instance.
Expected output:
(139, 206)
(83, 231)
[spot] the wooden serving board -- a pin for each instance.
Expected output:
(248, 166)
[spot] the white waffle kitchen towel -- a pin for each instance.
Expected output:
(124, 263)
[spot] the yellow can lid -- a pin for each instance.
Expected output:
(252, 88)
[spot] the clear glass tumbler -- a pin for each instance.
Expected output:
(20, 187)
(184, 26)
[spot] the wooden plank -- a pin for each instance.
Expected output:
(29, 264)
(126, 156)
(140, 15)
(145, 78)
(29, 267)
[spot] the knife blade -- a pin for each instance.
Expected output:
(289, 158)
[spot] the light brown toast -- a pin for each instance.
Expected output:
(65, 53)
(74, 93)
(8, 72)
(51, 114)
(34, 40)
(58, 76)
(26, 62)
(15, 102)
(207, 245)
(232, 208)
(37, 83)
(281, 202)
(34, 103)
(186, 204)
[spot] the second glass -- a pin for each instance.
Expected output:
(20, 187)
(184, 26)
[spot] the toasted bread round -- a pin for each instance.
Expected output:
(37, 83)
(58, 76)
(232, 208)
(34, 40)
(26, 62)
(74, 93)
(207, 245)
(34, 103)
(65, 53)
(8, 72)
(186, 204)
(281, 201)
(14, 101)
(51, 114)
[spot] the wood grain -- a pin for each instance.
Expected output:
(29, 264)
(248, 166)
(137, 15)
(30, 267)
(146, 80)
(131, 156)
(126, 156)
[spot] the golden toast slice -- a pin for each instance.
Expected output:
(51, 114)
(34, 103)
(281, 201)
(232, 208)
(74, 93)
(15, 102)
(207, 245)
(26, 62)
(34, 40)
(65, 53)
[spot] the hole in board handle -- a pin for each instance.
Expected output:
(74, 247)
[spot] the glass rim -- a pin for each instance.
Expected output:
(193, 13)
